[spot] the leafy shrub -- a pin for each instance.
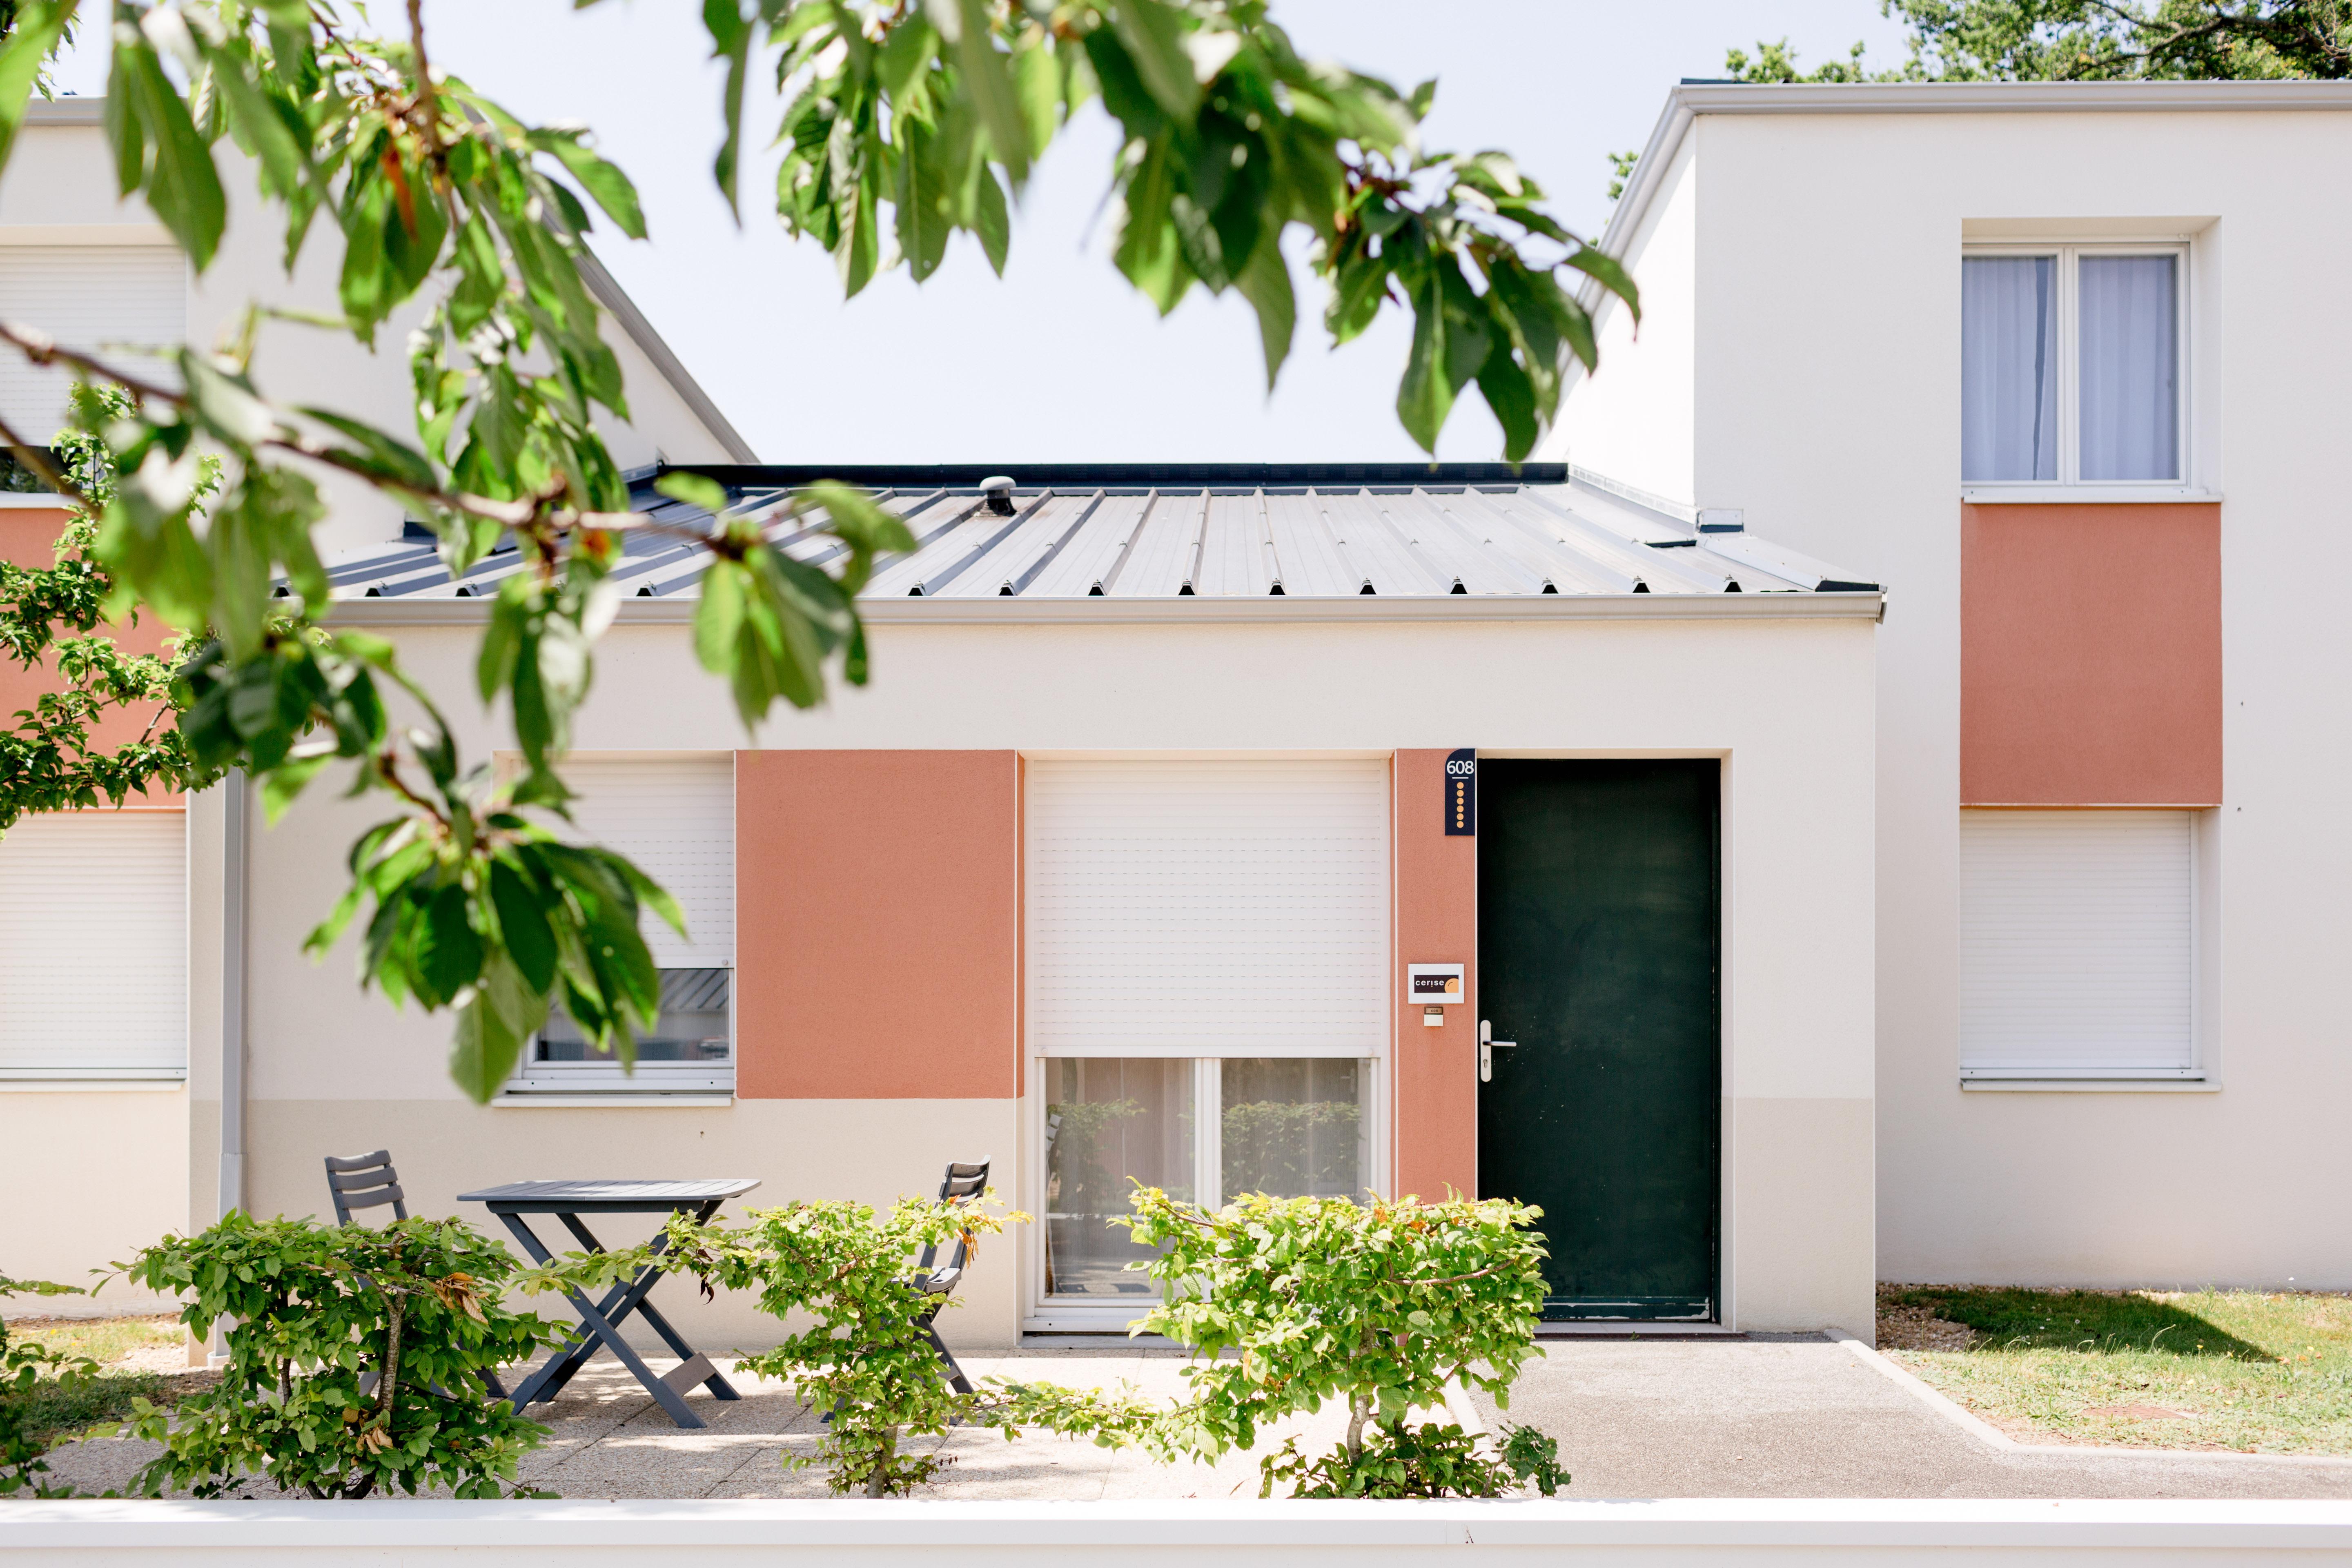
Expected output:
(23, 1364)
(1377, 1304)
(356, 1357)
(864, 1356)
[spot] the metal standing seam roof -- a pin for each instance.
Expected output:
(1109, 534)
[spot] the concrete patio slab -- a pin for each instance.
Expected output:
(1787, 1417)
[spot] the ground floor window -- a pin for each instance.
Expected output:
(674, 817)
(94, 945)
(1206, 1130)
(2078, 937)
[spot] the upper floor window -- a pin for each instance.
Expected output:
(2071, 364)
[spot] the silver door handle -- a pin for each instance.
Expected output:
(1487, 1043)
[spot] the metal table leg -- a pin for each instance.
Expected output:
(716, 1382)
(596, 1328)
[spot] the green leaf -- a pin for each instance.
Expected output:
(919, 198)
(492, 1029)
(39, 24)
(285, 157)
(524, 922)
(990, 222)
(1424, 397)
(1154, 34)
(1265, 284)
(984, 75)
(694, 490)
(1611, 275)
(1507, 392)
(183, 187)
(730, 40)
(603, 180)
(448, 950)
(1037, 82)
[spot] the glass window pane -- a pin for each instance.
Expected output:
(1292, 1127)
(1108, 1124)
(692, 1028)
(2008, 367)
(2131, 367)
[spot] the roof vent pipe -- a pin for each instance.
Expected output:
(999, 489)
(1722, 520)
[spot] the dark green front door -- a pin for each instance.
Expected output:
(1597, 921)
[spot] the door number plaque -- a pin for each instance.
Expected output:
(1462, 792)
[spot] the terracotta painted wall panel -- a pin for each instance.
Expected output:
(29, 537)
(2091, 655)
(877, 925)
(1436, 1071)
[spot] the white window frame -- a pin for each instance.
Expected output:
(2070, 484)
(1053, 1314)
(2197, 1075)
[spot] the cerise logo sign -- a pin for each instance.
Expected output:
(1438, 982)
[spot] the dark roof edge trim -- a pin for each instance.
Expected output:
(1101, 476)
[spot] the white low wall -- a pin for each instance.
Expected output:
(883, 1534)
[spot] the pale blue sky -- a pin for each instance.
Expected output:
(1060, 362)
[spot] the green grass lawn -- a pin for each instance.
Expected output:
(2211, 1369)
(55, 1412)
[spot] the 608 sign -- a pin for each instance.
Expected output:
(1462, 792)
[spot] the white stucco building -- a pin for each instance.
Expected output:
(2113, 695)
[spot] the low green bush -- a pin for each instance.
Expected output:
(356, 1357)
(24, 1365)
(863, 1354)
(1294, 1303)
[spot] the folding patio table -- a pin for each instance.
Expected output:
(600, 1321)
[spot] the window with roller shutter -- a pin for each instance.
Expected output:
(675, 818)
(1209, 970)
(94, 946)
(2078, 945)
(117, 299)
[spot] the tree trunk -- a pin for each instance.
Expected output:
(877, 1483)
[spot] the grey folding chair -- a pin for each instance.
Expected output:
(368, 1181)
(936, 1281)
(364, 1182)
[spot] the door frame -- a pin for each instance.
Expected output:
(1727, 1315)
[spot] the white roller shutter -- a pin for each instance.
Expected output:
(1208, 908)
(94, 944)
(674, 817)
(2077, 943)
(108, 298)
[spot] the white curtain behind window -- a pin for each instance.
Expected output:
(2130, 368)
(2008, 367)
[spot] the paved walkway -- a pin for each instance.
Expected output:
(1798, 1418)
(1806, 1417)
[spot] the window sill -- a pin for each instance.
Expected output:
(14, 500)
(577, 1099)
(2091, 1085)
(2080, 495)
